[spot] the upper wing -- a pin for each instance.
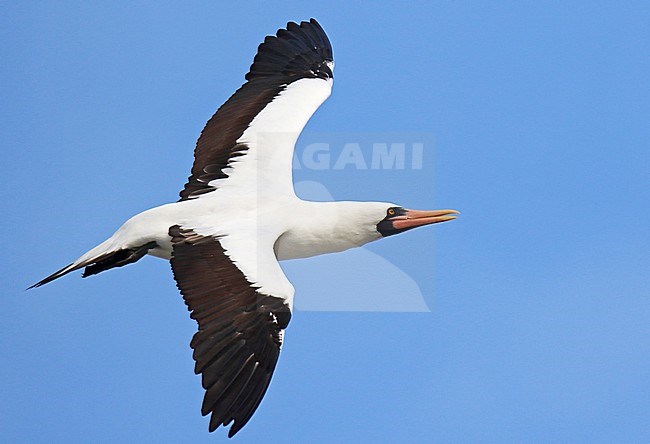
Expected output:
(240, 325)
(251, 137)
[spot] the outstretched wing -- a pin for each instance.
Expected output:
(241, 321)
(249, 141)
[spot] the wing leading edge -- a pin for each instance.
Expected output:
(294, 54)
(240, 330)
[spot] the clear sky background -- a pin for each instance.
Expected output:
(539, 329)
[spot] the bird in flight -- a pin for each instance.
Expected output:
(238, 215)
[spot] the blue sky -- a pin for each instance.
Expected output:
(537, 113)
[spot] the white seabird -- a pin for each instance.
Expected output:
(239, 215)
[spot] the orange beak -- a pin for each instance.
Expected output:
(418, 218)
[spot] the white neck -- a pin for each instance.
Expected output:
(327, 227)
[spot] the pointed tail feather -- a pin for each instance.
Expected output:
(96, 261)
(62, 272)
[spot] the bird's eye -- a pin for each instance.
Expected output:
(391, 211)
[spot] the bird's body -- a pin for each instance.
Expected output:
(308, 228)
(239, 215)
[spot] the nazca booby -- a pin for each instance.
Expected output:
(238, 215)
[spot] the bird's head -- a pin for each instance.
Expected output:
(396, 219)
(346, 224)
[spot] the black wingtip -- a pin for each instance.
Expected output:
(295, 52)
